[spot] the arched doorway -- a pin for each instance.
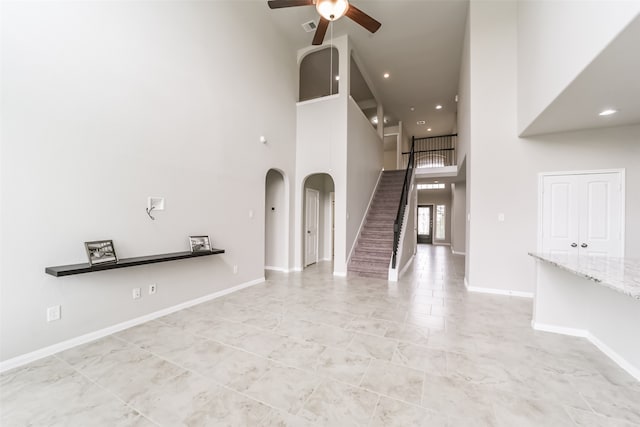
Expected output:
(318, 219)
(276, 218)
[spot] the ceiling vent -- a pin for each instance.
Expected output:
(310, 26)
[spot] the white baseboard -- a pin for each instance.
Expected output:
(395, 275)
(621, 361)
(441, 244)
(506, 292)
(574, 332)
(608, 351)
(280, 269)
(457, 253)
(407, 265)
(101, 333)
(326, 259)
(340, 274)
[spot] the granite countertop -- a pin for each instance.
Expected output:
(620, 274)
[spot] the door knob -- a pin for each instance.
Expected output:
(574, 245)
(584, 245)
(308, 231)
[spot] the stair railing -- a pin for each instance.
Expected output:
(434, 151)
(397, 224)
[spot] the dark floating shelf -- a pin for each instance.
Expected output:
(68, 270)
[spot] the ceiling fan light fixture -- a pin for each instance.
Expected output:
(332, 10)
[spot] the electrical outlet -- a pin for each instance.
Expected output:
(53, 313)
(136, 293)
(235, 269)
(153, 288)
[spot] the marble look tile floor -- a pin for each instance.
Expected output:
(312, 349)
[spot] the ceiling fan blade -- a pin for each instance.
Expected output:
(277, 4)
(363, 19)
(318, 38)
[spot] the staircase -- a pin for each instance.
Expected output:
(373, 251)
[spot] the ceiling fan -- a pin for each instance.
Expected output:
(330, 10)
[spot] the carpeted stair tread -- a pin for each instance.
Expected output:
(374, 247)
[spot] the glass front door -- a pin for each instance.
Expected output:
(425, 224)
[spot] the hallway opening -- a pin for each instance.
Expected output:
(276, 219)
(318, 218)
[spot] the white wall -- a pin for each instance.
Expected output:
(556, 41)
(276, 222)
(332, 133)
(409, 230)
(390, 159)
(321, 149)
(458, 217)
(438, 197)
(504, 175)
(364, 157)
(464, 129)
(107, 103)
(464, 101)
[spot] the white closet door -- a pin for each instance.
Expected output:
(560, 224)
(583, 214)
(601, 215)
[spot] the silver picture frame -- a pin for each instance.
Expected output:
(200, 244)
(101, 252)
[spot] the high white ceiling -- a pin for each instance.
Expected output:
(419, 44)
(610, 81)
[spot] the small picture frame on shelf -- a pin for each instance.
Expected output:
(199, 244)
(101, 252)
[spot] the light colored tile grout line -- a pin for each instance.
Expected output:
(206, 378)
(106, 389)
(365, 373)
(315, 388)
(375, 409)
(424, 381)
(447, 353)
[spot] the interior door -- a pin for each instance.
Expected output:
(333, 224)
(425, 224)
(583, 214)
(601, 223)
(560, 223)
(312, 207)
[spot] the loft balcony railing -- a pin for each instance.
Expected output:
(433, 152)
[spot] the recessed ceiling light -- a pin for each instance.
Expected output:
(386, 75)
(607, 112)
(375, 120)
(421, 122)
(337, 77)
(438, 107)
(412, 108)
(435, 182)
(429, 130)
